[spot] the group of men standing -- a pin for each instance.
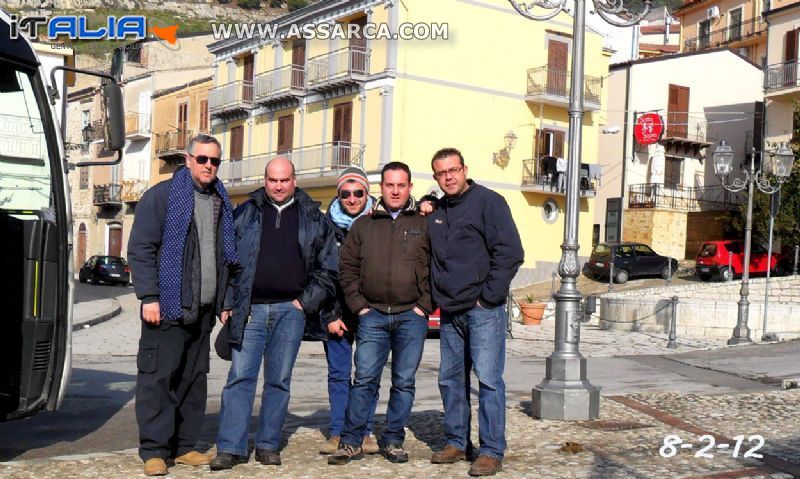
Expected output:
(364, 275)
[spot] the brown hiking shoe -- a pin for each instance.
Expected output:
(370, 445)
(330, 446)
(193, 458)
(486, 466)
(155, 466)
(448, 455)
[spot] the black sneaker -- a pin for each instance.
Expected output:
(394, 453)
(223, 461)
(345, 454)
(268, 457)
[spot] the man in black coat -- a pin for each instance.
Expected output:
(181, 251)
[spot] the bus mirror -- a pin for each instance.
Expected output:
(113, 109)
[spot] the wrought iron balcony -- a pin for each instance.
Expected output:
(132, 190)
(232, 97)
(700, 198)
(734, 33)
(327, 159)
(137, 127)
(171, 145)
(537, 177)
(552, 87)
(108, 195)
(341, 67)
(781, 76)
(689, 133)
(280, 84)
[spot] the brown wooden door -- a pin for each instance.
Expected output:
(81, 245)
(247, 84)
(678, 111)
(237, 142)
(183, 125)
(358, 49)
(285, 133)
(790, 57)
(557, 68)
(202, 120)
(342, 133)
(298, 63)
(115, 241)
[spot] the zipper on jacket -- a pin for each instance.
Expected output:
(389, 266)
(278, 219)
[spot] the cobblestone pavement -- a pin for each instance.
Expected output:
(625, 442)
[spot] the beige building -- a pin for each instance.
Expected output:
(781, 78)
(655, 194)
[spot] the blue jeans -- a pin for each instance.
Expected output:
(474, 339)
(273, 332)
(404, 335)
(339, 353)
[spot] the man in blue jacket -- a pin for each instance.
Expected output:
(181, 251)
(475, 253)
(289, 271)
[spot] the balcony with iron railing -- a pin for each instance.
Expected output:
(537, 177)
(280, 84)
(232, 97)
(171, 145)
(552, 87)
(108, 195)
(132, 190)
(311, 163)
(781, 78)
(137, 127)
(688, 132)
(93, 132)
(737, 33)
(682, 198)
(342, 67)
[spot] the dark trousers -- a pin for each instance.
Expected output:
(172, 363)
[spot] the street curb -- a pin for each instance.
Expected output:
(116, 309)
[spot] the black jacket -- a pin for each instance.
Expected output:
(144, 249)
(317, 245)
(475, 249)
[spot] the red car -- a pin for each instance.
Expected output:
(713, 260)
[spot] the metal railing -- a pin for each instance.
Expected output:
(733, 33)
(108, 193)
(137, 123)
(536, 174)
(231, 96)
(700, 198)
(172, 141)
(678, 126)
(781, 75)
(339, 65)
(132, 190)
(279, 81)
(556, 82)
(315, 159)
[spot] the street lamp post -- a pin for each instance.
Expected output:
(779, 165)
(565, 393)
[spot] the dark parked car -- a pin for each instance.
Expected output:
(106, 269)
(630, 260)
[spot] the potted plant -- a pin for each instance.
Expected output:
(532, 310)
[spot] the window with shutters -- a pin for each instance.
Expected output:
(678, 112)
(203, 120)
(298, 63)
(549, 143)
(790, 57)
(342, 133)
(557, 68)
(285, 133)
(358, 48)
(183, 125)
(673, 172)
(84, 182)
(247, 77)
(237, 143)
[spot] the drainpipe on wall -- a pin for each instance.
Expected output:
(625, 147)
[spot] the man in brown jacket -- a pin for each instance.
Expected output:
(384, 269)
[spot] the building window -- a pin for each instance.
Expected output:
(84, 181)
(673, 172)
(203, 120)
(550, 211)
(704, 33)
(735, 24)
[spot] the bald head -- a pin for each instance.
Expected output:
(279, 180)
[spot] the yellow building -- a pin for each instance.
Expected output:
(329, 103)
(781, 82)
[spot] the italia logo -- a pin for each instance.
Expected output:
(77, 28)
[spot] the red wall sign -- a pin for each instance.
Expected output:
(648, 129)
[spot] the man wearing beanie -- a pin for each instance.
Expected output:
(339, 324)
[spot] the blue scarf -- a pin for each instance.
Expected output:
(180, 212)
(340, 216)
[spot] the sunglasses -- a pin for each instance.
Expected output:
(202, 159)
(344, 194)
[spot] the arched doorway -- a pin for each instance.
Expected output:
(115, 239)
(82, 240)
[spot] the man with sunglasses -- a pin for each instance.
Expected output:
(339, 324)
(181, 252)
(475, 253)
(289, 272)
